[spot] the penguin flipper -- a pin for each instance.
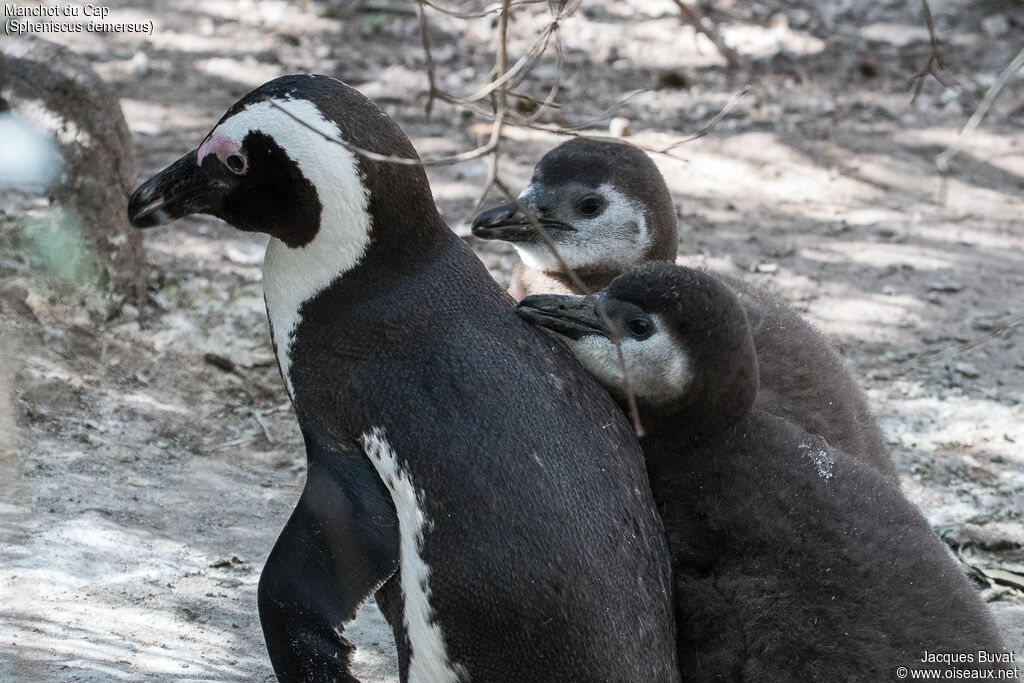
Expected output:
(339, 546)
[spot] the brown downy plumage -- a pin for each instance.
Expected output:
(792, 561)
(607, 208)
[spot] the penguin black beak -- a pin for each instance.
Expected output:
(507, 223)
(179, 190)
(573, 316)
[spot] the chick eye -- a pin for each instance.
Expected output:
(590, 205)
(235, 163)
(640, 327)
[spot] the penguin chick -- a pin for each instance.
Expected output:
(604, 204)
(791, 560)
(607, 208)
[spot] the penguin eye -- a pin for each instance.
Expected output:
(590, 205)
(235, 163)
(640, 328)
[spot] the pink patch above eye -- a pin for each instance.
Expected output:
(221, 147)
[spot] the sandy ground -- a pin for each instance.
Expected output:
(149, 456)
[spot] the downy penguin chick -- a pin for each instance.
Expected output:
(607, 208)
(792, 561)
(604, 204)
(484, 488)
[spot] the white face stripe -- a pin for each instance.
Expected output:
(429, 661)
(658, 367)
(618, 235)
(292, 276)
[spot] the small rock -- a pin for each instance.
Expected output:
(140, 63)
(619, 127)
(220, 362)
(945, 287)
(967, 370)
(995, 25)
(778, 22)
(766, 268)
(672, 79)
(996, 593)
(463, 229)
(799, 18)
(129, 312)
(243, 253)
(993, 538)
(227, 562)
(953, 108)
(146, 128)
(868, 67)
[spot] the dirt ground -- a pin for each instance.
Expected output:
(149, 456)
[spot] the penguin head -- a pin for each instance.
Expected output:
(604, 204)
(686, 344)
(269, 166)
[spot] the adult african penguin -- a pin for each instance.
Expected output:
(607, 208)
(476, 480)
(792, 561)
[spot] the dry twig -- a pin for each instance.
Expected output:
(931, 68)
(692, 15)
(943, 159)
(421, 13)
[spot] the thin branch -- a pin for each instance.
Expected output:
(733, 101)
(469, 155)
(476, 15)
(931, 68)
(943, 159)
(549, 101)
(262, 423)
(523, 65)
(999, 330)
(692, 15)
(533, 100)
(431, 77)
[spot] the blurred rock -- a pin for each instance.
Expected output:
(58, 92)
(619, 127)
(945, 287)
(673, 79)
(967, 370)
(396, 84)
(140, 63)
(995, 25)
(799, 18)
